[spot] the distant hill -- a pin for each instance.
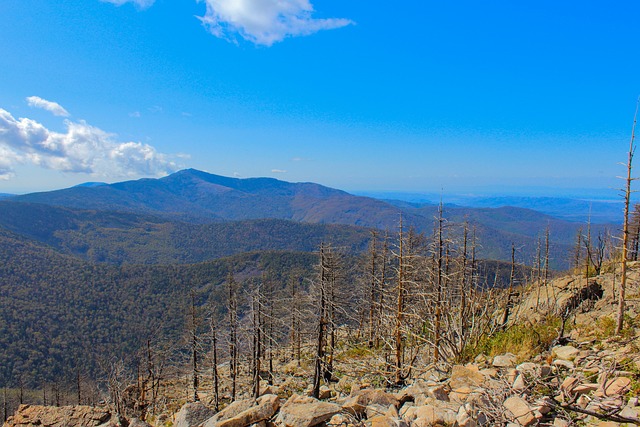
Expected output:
(200, 198)
(127, 238)
(598, 210)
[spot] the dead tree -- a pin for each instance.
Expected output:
(400, 306)
(509, 303)
(193, 339)
(232, 311)
(215, 377)
(625, 226)
(321, 325)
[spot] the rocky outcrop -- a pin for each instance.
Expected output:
(64, 416)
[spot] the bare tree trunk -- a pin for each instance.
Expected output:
(372, 288)
(233, 335)
(400, 295)
(194, 347)
(257, 341)
(625, 227)
(322, 324)
(439, 277)
(507, 307)
(215, 378)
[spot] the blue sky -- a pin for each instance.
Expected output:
(463, 96)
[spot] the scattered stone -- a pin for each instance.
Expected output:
(519, 410)
(569, 384)
(507, 360)
(565, 352)
(528, 368)
(519, 384)
(325, 392)
(460, 395)
(435, 413)
(559, 422)
(561, 363)
(381, 421)
(619, 386)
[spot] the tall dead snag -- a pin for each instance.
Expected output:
(232, 310)
(256, 351)
(400, 306)
(215, 377)
(373, 287)
(295, 324)
(625, 226)
(322, 325)
(384, 262)
(268, 324)
(193, 338)
(438, 253)
(509, 303)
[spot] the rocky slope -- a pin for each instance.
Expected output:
(585, 377)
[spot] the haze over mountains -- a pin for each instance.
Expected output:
(170, 210)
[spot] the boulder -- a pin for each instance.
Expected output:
(519, 411)
(303, 411)
(358, 402)
(435, 413)
(266, 407)
(465, 376)
(54, 416)
(192, 414)
(230, 411)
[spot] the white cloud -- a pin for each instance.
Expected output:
(142, 4)
(264, 22)
(81, 149)
(135, 114)
(52, 107)
(278, 171)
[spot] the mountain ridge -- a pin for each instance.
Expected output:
(193, 196)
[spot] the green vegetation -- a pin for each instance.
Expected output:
(59, 314)
(523, 340)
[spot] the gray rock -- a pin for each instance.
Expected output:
(192, 414)
(303, 411)
(507, 360)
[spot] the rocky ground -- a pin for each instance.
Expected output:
(589, 378)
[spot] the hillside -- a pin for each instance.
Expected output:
(120, 237)
(58, 313)
(191, 196)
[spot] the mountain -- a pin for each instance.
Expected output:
(196, 197)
